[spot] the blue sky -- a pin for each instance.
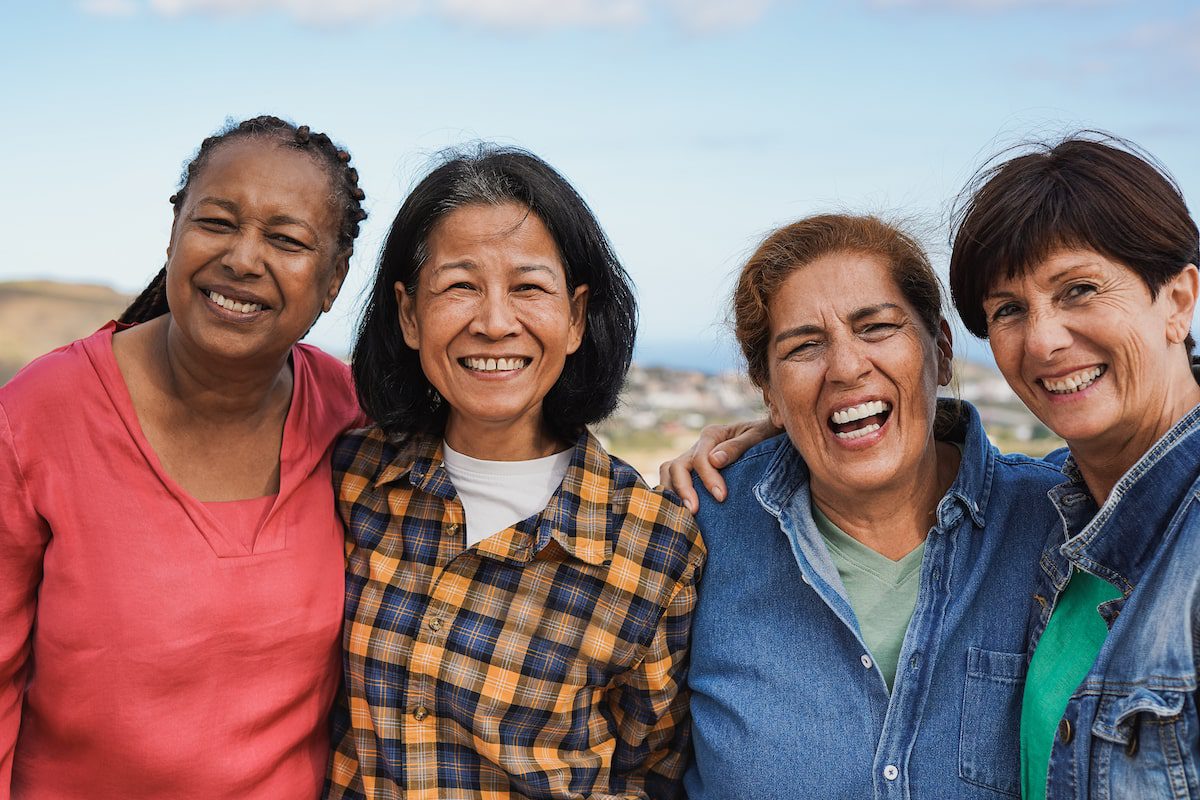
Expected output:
(691, 127)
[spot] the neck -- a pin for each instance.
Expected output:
(893, 520)
(215, 390)
(524, 440)
(1104, 462)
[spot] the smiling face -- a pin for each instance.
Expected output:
(493, 321)
(253, 257)
(1084, 346)
(853, 374)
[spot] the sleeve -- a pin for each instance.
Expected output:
(344, 779)
(650, 706)
(23, 538)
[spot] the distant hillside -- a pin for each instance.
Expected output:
(38, 316)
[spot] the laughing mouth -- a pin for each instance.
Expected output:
(494, 364)
(1075, 382)
(229, 304)
(857, 421)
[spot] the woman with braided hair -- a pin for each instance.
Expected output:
(170, 558)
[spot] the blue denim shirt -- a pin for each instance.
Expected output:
(787, 703)
(1131, 729)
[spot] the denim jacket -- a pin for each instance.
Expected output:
(787, 702)
(1131, 728)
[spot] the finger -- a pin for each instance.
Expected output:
(679, 480)
(710, 476)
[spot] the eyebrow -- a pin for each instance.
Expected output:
(1054, 279)
(471, 265)
(278, 219)
(857, 315)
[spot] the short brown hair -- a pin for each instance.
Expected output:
(799, 244)
(1091, 191)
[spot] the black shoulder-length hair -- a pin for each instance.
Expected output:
(392, 387)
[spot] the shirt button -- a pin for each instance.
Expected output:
(1065, 732)
(453, 529)
(890, 772)
(866, 661)
(420, 713)
(435, 624)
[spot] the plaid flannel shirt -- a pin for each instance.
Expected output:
(547, 661)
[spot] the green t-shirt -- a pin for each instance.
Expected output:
(882, 592)
(1064, 655)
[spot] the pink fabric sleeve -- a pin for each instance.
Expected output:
(23, 538)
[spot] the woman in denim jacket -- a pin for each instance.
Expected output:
(862, 617)
(1078, 263)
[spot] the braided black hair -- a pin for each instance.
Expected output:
(152, 302)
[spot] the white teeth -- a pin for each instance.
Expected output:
(859, 433)
(859, 412)
(233, 305)
(495, 364)
(1074, 382)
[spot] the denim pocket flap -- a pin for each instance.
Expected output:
(996, 666)
(1116, 715)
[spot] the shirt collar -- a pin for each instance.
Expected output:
(577, 517)
(1117, 541)
(968, 494)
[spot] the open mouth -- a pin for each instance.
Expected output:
(1075, 382)
(857, 421)
(230, 304)
(495, 364)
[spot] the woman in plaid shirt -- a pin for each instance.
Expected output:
(518, 602)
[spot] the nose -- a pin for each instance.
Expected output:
(243, 255)
(848, 361)
(494, 318)
(1045, 335)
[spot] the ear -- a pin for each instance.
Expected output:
(772, 409)
(408, 317)
(945, 353)
(1180, 294)
(335, 285)
(578, 318)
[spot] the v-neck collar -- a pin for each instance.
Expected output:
(268, 538)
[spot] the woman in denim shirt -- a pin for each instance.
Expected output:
(863, 614)
(1078, 263)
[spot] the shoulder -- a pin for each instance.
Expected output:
(51, 383)
(652, 524)
(362, 453)
(740, 479)
(327, 385)
(1030, 472)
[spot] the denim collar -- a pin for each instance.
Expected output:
(968, 495)
(1117, 541)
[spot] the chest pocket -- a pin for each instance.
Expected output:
(1144, 745)
(989, 744)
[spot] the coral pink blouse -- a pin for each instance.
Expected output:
(150, 648)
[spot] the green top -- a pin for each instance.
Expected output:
(1068, 647)
(882, 592)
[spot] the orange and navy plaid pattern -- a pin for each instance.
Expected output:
(547, 661)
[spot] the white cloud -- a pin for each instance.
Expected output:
(308, 11)
(694, 15)
(715, 15)
(109, 8)
(1177, 39)
(988, 5)
(539, 14)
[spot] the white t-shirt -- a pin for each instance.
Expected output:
(498, 494)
